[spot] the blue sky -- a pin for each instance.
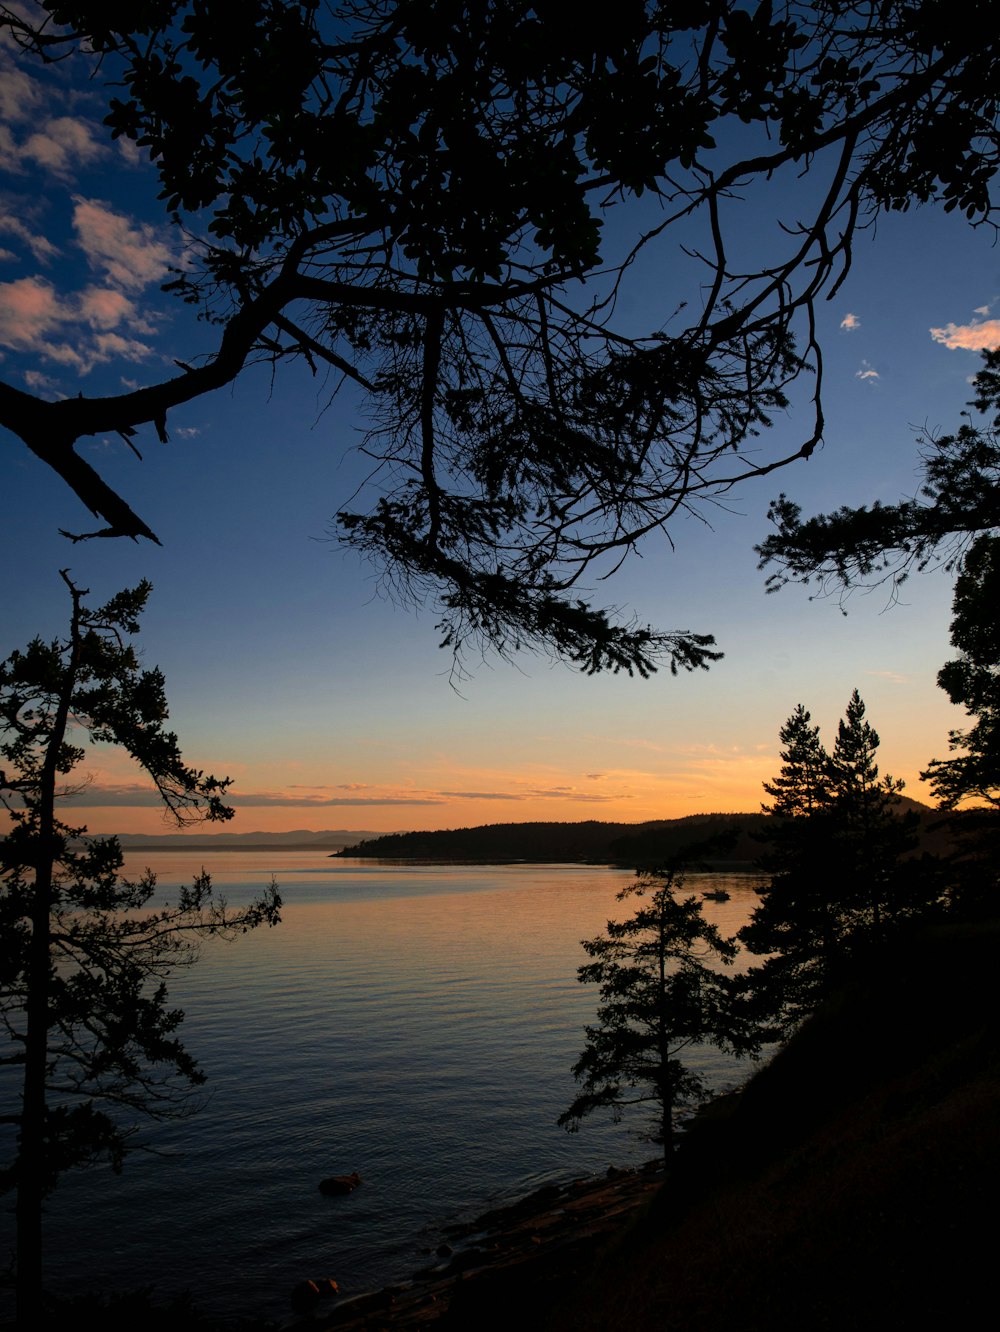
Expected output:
(333, 708)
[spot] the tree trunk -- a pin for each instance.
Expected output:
(31, 1154)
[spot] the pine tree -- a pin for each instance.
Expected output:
(870, 834)
(659, 997)
(796, 922)
(802, 786)
(839, 878)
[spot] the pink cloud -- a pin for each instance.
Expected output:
(29, 310)
(131, 255)
(102, 307)
(111, 345)
(10, 160)
(34, 319)
(977, 336)
(40, 246)
(20, 94)
(61, 145)
(850, 322)
(39, 383)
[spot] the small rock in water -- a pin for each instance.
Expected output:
(337, 1185)
(307, 1294)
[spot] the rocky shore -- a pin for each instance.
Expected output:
(507, 1266)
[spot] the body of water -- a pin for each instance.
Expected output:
(414, 1023)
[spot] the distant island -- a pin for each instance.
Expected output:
(593, 842)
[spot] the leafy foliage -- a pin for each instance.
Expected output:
(658, 998)
(415, 196)
(83, 959)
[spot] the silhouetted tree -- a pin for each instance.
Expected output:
(839, 882)
(83, 961)
(795, 923)
(958, 502)
(972, 681)
(658, 998)
(954, 522)
(972, 773)
(413, 194)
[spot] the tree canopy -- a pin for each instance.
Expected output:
(437, 201)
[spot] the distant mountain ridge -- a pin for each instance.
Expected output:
(327, 840)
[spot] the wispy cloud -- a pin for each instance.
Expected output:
(40, 246)
(20, 95)
(867, 373)
(259, 800)
(62, 145)
(100, 793)
(76, 331)
(979, 335)
(132, 255)
(31, 136)
(100, 323)
(850, 322)
(39, 383)
(128, 796)
(892, 676)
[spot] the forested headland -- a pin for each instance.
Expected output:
(742, 839)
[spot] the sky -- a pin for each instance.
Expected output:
(287, 668)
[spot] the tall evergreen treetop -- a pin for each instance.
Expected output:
(802, 787)
(838, 880)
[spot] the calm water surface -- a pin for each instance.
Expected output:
(414, 1023)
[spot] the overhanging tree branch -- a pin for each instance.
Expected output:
(416, 197)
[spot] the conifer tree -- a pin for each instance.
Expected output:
(796, 921)
(659, 997)
(869, 832)
(839, 881)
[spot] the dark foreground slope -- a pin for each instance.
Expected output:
(853, 1183)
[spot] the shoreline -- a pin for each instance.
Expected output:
(535, 1246)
